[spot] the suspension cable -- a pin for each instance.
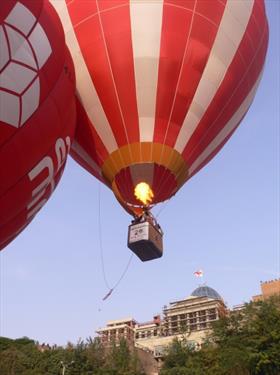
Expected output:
(111, 289)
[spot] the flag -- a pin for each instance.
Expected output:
(198, 273)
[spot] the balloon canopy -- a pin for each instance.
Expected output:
(161, 86)
(37, 110)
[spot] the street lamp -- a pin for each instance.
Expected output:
(65, 366)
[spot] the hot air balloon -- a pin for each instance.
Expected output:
(37, 110)
(161, 87)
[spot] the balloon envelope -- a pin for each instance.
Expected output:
(161, 85)
(37, 110)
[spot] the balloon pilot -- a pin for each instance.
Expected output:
(145, 234)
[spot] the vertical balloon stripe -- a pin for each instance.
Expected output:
(164, 183)
(146, 23)
(85, 87)
(189, 44)
(125, 185)
(215, 152)
(227, 129)
(88, 136)
(246, 66)
(142, 173)
(229, 36)
(90, 34)
(117, 39)
(108, 91)
(86, 157)
(176, 42)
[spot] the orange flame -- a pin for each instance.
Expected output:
(144, 193)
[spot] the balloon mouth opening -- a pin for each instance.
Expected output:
(144, 194)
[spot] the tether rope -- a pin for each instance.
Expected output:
(111, 289)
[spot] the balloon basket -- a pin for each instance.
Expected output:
(145, 239)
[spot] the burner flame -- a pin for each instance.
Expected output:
(144, 193)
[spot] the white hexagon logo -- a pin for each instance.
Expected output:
(24, 49)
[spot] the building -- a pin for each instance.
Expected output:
(116, 330)
(238, 308)
(268, 288)
(149, 329)
(190, 318)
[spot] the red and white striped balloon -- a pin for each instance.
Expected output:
(162, 85)
(37, 110)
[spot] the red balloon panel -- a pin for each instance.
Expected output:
(37, 110)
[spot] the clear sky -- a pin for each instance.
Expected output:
(225, 221)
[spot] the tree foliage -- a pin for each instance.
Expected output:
(243, 343)
(23, 357)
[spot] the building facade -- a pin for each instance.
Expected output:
(190, 318)
(268, 289)
(116, 330)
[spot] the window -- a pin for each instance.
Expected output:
(193, 327)
(211, 311)
(212, 317)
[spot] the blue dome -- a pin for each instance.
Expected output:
(206, 291)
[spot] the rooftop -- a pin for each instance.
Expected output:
(206, 291)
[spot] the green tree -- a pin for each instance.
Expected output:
(249, 341)
(244, 343)
(95, 354)
(121, 360)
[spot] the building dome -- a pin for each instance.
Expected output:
(206, 291)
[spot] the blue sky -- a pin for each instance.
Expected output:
(225, 221)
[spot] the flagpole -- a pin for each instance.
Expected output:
(199, 274)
